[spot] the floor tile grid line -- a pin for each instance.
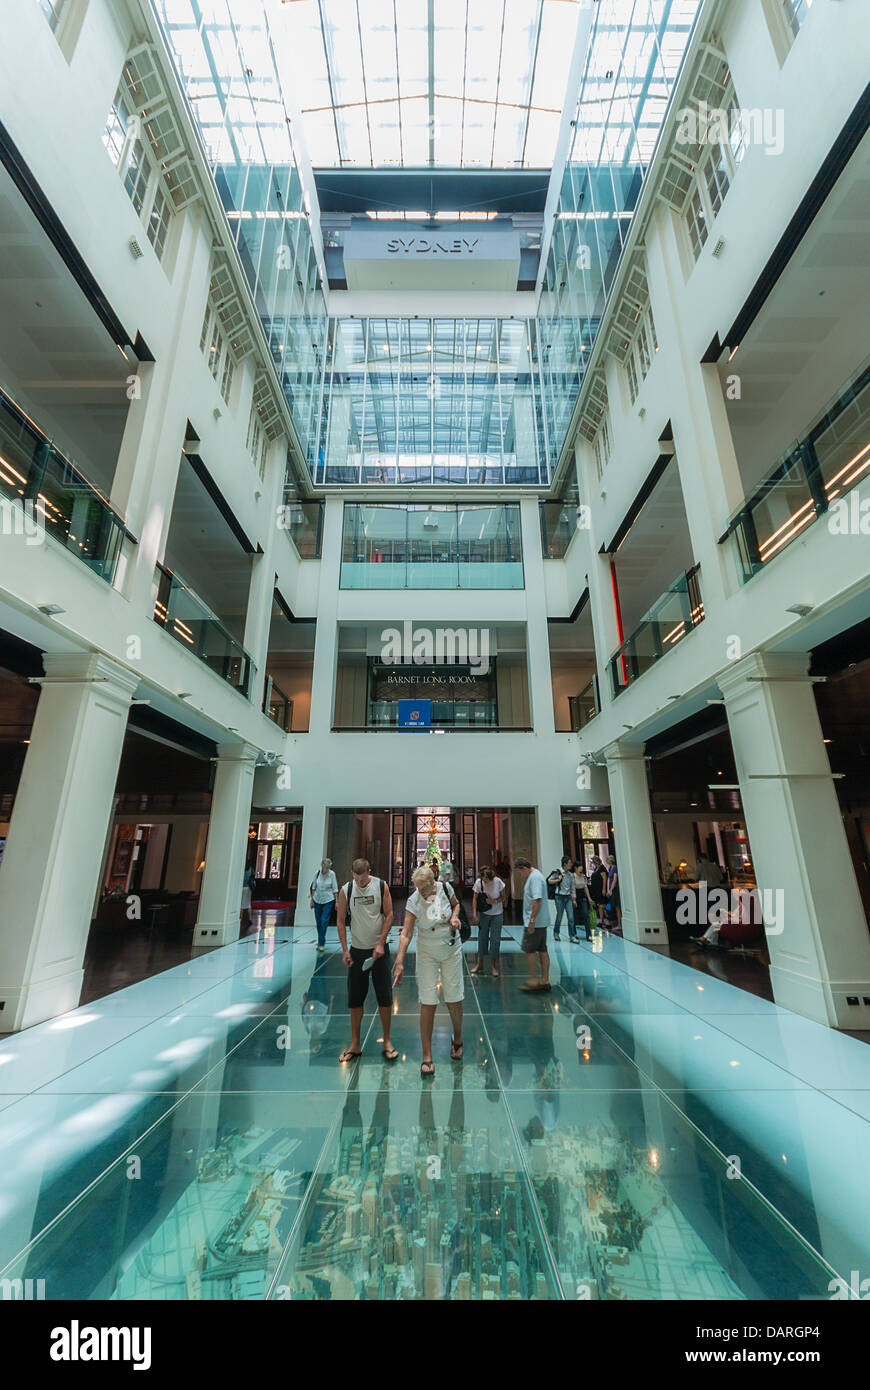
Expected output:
(709, 1145)
(256, 1021)
(306, 1200)
(145, 1023)
(131, 1147)
(735, 1037)
(539, 1219)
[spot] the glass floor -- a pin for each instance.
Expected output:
(641, 1132)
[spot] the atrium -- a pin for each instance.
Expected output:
(492, 371)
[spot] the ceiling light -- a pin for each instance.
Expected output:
(801, 609)
(50, 609)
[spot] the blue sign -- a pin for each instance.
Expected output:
(415, 714)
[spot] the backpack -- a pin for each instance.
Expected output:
(554, 878)
(347, 892)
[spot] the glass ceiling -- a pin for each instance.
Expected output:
(461, 83)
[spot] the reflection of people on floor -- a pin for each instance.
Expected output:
(316, 1009)
(371, 1141)
(548, 1070)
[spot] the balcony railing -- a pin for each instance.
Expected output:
(190, 622)
(303, 522)
(558, 528)
(277, 706)
(49, 496)
(431, 547)
(825, 464)
(668, 621)
(584, 706)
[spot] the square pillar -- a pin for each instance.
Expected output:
(51, 865)
(814, 920)
(636, 862)
(220, 900)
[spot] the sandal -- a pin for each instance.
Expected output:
(348, 1056)
(390, 1053)
(427, 1068)
(456, 1051)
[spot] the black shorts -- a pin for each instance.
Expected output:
(534, 940)
(358, 979)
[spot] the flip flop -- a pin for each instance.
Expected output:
(456, 1051)
(427, 1068)
(348, 1056)
(390, 1053)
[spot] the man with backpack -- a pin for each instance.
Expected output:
(367, 902)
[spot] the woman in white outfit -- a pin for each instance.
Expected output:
(434, 910)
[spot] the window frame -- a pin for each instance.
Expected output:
(138, 168)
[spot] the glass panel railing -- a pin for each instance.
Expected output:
(303, 522)
(195, 626)
(558, 528)
(51, 497)
(584, 706)
(431, 547)
(668, 621)
(811, 479)
(277, 706)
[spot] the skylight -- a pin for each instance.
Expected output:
(456, 83)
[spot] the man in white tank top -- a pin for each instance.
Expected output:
(371, 916)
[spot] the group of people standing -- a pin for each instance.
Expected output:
(364, 913)
(579, 896)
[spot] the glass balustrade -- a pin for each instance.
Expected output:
(668, 621)
(46, 495)
(584, 706)
(431, 547)
(195, 626)
(558, 528)
(810, 480)
(277, 706)
(303, 522)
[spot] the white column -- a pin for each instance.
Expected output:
(550, 849)
(639, 892)
(220, 900)
(819, 944)
(57, 836)
(537, 635)
(705, 454)
(324, 667)
(258, 621)
(311, 851)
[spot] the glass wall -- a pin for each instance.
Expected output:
(227, 68)
(635, 51)
(418, 400)
(431, 547)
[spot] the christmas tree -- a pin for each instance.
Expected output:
(433, 853)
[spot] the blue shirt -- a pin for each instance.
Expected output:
(325, 887)
(536, 887)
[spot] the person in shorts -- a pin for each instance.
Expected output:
(536, 919)
(433, 909)
(367, 902)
